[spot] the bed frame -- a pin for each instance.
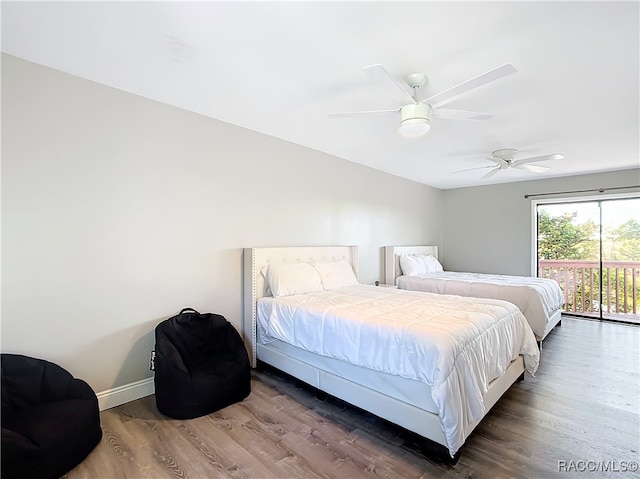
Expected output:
(348, 387)
(392, 270)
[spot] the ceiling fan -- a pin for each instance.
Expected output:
(504, 159)
(415, 114)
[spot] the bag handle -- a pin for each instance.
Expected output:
(188, 309)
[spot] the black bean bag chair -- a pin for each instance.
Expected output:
(201, 365)
(50, 420)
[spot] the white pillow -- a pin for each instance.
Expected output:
(412, 265)
(287, 279)
(432, 265)
(336, 274)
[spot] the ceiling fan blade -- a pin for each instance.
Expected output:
(455, 92)
(461, 114)
(531, 168)
(382, 77)
(471, 169)
(535, 159)
(491, 173)
(362, 113)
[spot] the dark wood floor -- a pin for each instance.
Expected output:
(579, 417)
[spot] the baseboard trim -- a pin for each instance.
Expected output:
(126, 393)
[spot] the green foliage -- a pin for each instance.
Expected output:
(623, 243)
(561, 239)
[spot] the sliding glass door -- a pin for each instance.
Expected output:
(621, 259)
(592, 248)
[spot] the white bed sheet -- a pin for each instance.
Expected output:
(455, 345)
(537, 298)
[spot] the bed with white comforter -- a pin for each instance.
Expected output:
(454, 345)
(539, 299)
(432, 363)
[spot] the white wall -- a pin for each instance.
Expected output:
(488, 229)
(118, 211)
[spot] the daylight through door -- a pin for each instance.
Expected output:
(592, 248)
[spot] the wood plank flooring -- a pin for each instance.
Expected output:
(579, 417)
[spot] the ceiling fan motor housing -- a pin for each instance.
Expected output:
(415, 119)
(505, 154)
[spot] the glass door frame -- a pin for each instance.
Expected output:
(573, 199)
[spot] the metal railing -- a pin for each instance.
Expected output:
(616, 294)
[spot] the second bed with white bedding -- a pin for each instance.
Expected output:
(539, 299)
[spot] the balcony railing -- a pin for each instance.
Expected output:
(616, 295)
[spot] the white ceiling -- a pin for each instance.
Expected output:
(279, 68)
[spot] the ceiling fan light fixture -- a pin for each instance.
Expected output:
(415, 120)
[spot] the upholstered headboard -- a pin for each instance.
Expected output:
(255, 286)
(392, 259)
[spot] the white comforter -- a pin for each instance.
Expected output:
(537, 298)
(455, 345)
